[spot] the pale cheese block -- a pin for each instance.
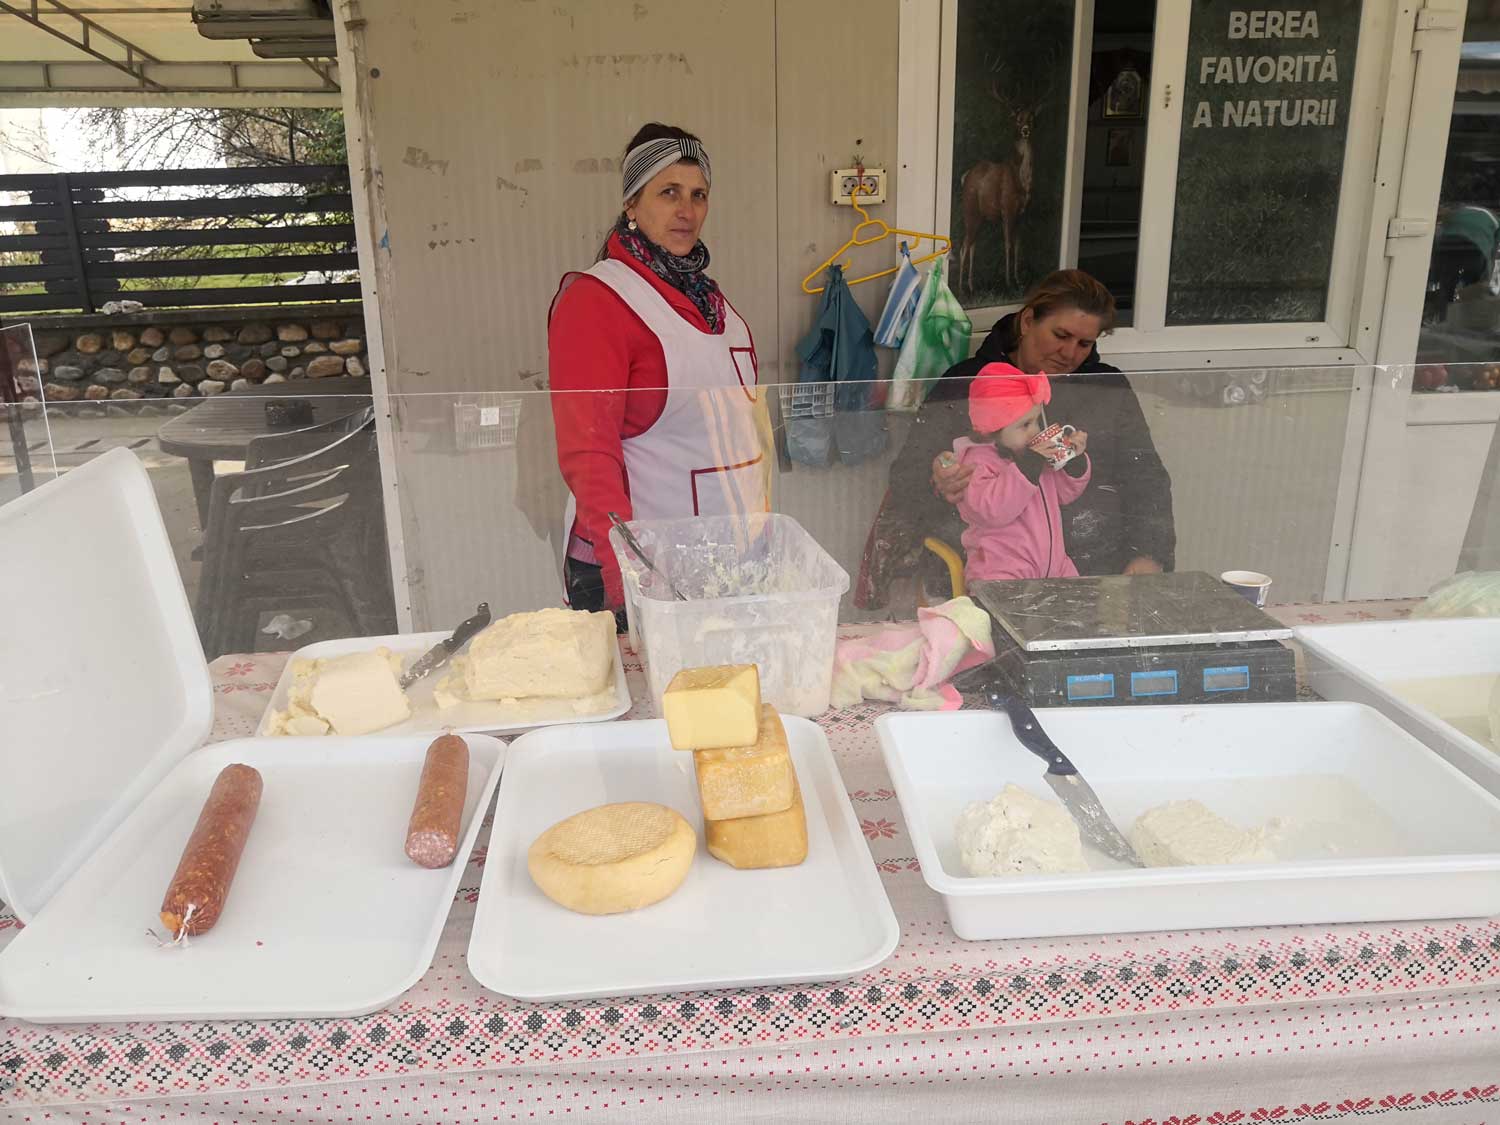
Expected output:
(1188, 833)
(774, 840)
(713, 708)
(1016, 833)
(747, 780)
(613, 858)
(556, 653)
(352, 694)
(360, 692)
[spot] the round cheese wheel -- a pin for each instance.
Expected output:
(613, 858)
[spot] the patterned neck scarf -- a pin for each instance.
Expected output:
(684, 274)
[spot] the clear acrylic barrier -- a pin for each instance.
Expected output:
(1260, 470)
(26, 445)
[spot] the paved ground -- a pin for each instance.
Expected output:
(63, 442)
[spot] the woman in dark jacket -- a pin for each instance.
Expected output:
(1122, 524)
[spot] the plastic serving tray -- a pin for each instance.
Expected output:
(1372, 826)
(825, 919)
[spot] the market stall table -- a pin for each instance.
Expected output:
(221, 428)
(1294, 1023)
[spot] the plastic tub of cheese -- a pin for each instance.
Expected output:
(759, 590)
(1344, 817)
(1440, 679)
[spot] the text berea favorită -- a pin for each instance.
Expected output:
(1266, 69)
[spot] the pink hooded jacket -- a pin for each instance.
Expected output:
(1014, 527)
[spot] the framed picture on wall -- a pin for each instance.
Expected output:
(1123, 98)
(1117, 147)
(1012, 107)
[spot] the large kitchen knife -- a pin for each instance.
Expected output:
(440, 653)
(1062, 775)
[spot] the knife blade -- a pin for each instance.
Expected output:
(1076, 795)
(440, 653)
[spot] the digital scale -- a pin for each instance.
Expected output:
(1149, 638)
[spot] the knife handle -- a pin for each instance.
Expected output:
(1029, 732)
(468, 628)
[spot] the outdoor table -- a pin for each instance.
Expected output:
(221, 428)
(1306, 1023)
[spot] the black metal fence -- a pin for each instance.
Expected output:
(85, 238)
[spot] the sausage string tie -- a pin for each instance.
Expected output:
(180, 938)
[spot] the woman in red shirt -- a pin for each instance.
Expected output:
(684, 438)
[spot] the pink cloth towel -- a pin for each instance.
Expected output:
(911, 664)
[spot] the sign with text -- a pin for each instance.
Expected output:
(1264, 123)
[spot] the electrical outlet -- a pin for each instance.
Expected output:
(872, 186)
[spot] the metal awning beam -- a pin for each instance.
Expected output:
(87, 78)
(135, 59)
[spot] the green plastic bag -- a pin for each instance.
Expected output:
(938, 338)
(1470, 594)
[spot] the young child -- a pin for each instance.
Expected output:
(1013, 502)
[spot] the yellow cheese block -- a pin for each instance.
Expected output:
(713, 708)
(747, 780)
(773, 840)
(613, 858)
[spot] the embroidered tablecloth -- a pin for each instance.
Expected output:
(939, 1014)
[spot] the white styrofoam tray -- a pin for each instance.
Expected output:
(1373, 825)
(1432, 677)
(103, 686)
(427, 717)
(326, 916)
(822, 920)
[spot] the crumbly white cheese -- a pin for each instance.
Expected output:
(556, 653)
(352, 694)
(1186, 833)
(1018, 834)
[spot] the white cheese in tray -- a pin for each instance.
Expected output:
(353, 694)
(1186, 833)
(551, 653)
(1018, 834)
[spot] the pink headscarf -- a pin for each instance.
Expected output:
(1002, 393)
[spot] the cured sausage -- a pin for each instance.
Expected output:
(432, 835)
(200, 886)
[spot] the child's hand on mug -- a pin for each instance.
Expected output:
(1079, 440)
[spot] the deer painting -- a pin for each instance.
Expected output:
(999, 192)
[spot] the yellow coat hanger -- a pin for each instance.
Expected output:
(858, 239)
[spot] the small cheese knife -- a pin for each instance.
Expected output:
(1076, 795)
(440, 653)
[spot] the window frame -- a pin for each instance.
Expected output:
(926, 77)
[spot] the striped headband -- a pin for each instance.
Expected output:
(650, 157)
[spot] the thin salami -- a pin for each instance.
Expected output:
(432, 836)
(198, 890)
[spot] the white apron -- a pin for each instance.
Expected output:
(703, 456)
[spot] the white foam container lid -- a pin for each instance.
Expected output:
(103, 685)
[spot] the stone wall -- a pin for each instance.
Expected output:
(163, 359)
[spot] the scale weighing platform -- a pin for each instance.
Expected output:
(1149, 638)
